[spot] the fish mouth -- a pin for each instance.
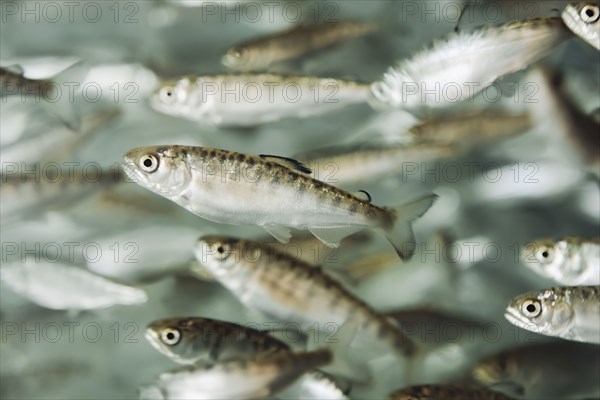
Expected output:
(515, 318)
(152, 337)
(132, 171)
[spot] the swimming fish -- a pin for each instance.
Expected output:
(192, 340)
(290, 290)
(237, 379)
(538, 371)
(462, 65)
(259, 53)
(60, 286)
(42, 187)
(252, 99)
(583, 19)
(571, 313)
(570, 261)
(55, 91)
(274, 192)
(363, 162)
(447, 392)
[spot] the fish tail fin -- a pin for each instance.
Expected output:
(62, 101)
(401, 235)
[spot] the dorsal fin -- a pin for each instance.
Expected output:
(363, 195)
(287, 162)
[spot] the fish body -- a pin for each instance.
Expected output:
(239, 379)
(269, 191)
(447, 392)
(343, 165)
(193, 340)
(464, 64)
(463, 128)
(571, 313)
(259, 53)
(538, 371)
(286, 288)
(44, 187)
(570, 261)
(62, 287)
(253, 99)
(584, 20)
(189, 340)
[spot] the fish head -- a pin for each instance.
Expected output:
(494, 370)
(162, 169)
(219, 254)
(583, 18)
(545, 257)
(177, 97)
(543, 312)
(180, 339)
(241, 58)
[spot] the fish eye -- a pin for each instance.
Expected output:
(149, 163)
(590, 13)
(221, 250)
(170, 336)
(167, 94)
(532, 308)
(545, 253)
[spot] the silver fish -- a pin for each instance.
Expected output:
(469, 128)
(583, 19)
(274, 192)
(237, 379)
(570, 261)
(571, 313)
(38, 189)
(289, 289)
(253, 99)
(64, 287)
(259, 53)
(462, 65)
(359, 163)
(538, 371)
(447, 392)
(190, 340)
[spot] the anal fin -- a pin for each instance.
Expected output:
(333, 235)
(279, 232)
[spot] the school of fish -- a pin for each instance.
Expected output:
(369, 200)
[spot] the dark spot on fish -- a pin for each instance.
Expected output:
(223, 157)
(250, 162)
(302, 187)
(353, 208)
(161, 150)
(184, 152)
(213, 153)
(240, 157)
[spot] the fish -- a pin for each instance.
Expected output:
(55, 144)
(258, 54)
(248, 100)
(60, 286)
(447, 392)
(345, 165)
(289, 289)
(583, 19)
(192, 339)
(570, 261)
(237, 379)
(55, 90)
(45, 187)
(571, 313)
(458, 129)
(273, 192)
(460, 66)
(538, 371)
